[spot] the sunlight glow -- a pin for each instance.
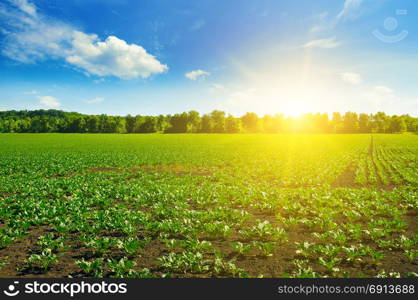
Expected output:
(293, 89)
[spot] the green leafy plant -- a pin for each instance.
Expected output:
(241, 248)
(92, 268)
(305, 249)
(123, 268)
(266, 231)
(5, 240)
(218, 229)
(331, 264)
(2, 264)
(376, 257)
(226, 268)
(412, 255)
(52, 242)
(132, 245)
(354, 253)
(184, 262)
(101, 246)
(42, 261)
(303, 270)
(266, 248)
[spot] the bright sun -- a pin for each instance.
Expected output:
(291, 103)
(293, 89)
(293, 110)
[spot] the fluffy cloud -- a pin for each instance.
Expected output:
(49, 101)
(195, 75)
(112, 57)
(95, 100)
(32, 37)
(351, 78)
(323, 43)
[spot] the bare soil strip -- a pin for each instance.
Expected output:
(346, 179)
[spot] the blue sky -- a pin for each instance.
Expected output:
(168, 56)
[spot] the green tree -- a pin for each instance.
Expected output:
(193, 121)
(130, 124)
(207, 124)
(218, 119)
(350, 122)
(92, 123)
(77, 124)
(272, 124)
(397, 125)
(364, 123)
(381, 122)
(162, 123)
(250, 123)
(149, 125)
(59, 121)
(233, 125)
(178, 123)
(337, 122)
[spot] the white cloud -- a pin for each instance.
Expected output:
(323, 43)
(351, 78)
(49, 101)
(31, 37)
(112, 57)
(25, 6)
(350, 10)
(197, 74)
(95, 100)
(323, 22)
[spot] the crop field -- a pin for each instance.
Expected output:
(140, 206)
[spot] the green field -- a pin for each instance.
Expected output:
(74, 205)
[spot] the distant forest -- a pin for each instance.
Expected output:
(42, 121)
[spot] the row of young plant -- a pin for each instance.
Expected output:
(204, 225)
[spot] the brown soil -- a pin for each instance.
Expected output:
(253, 263)
(174, 169)
(346, 179)
(20, 250)
(101, 170)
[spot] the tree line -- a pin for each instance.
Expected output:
(44, 121)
